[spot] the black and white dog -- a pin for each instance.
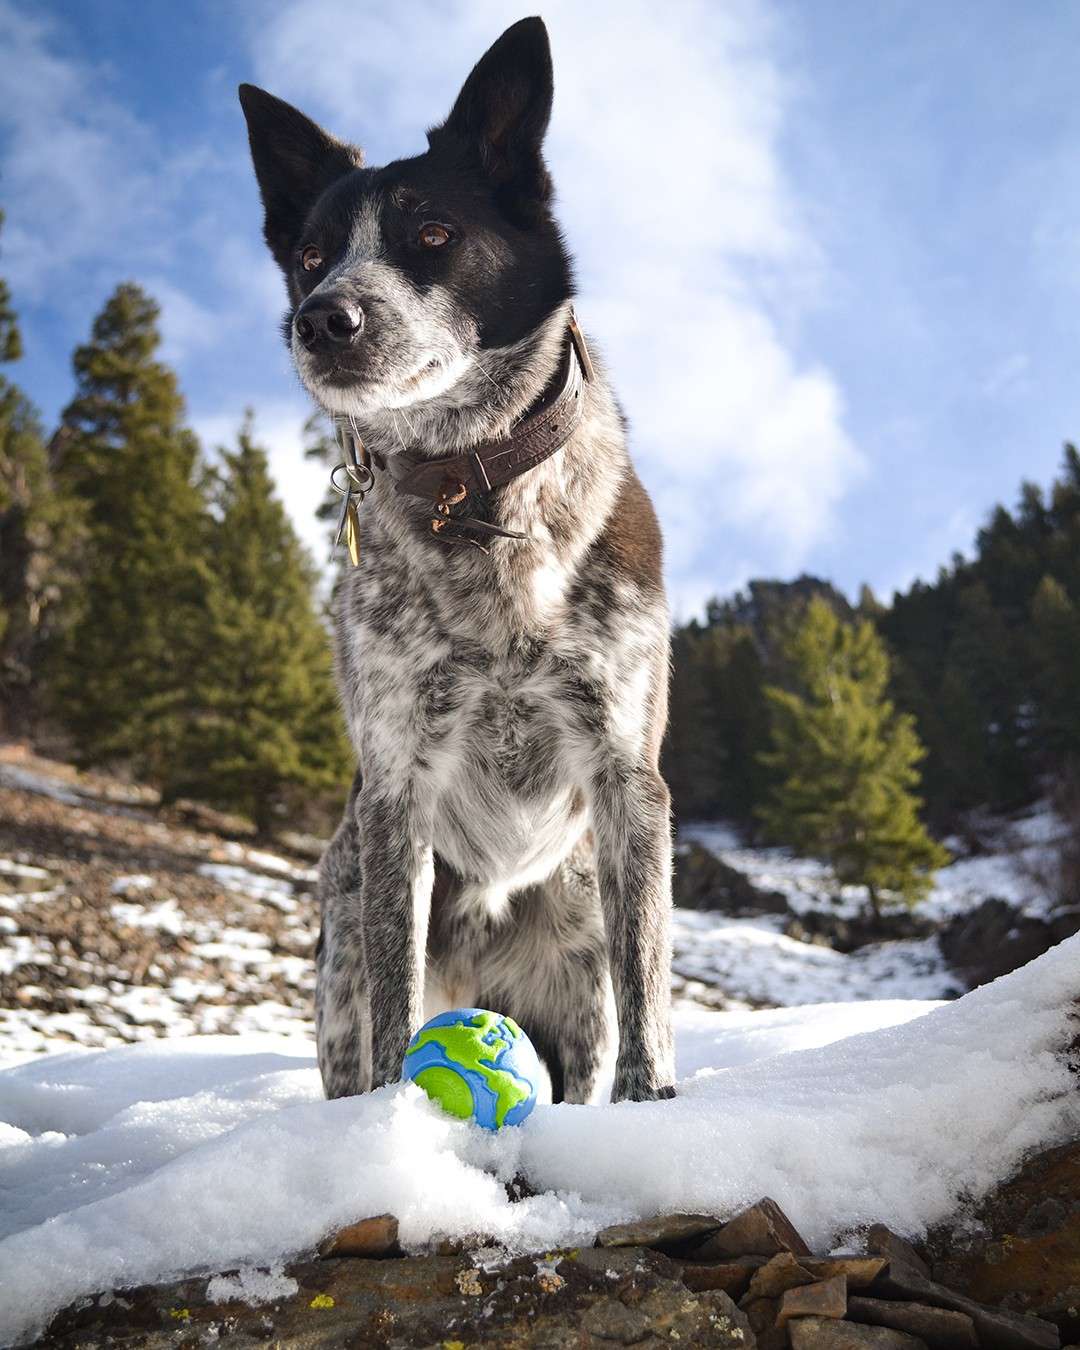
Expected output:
(502, 645)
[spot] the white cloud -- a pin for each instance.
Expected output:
(94, 199)
(80, 167)
(692, 254)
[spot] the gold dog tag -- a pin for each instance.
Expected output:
(352, 532)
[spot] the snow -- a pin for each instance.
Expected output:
(140, 1163)
(751, 960)
(1020, 869)
(125, 885)
(166, 916)
(243, 881)
(252, 1286)
(15, 776)
(18, 874)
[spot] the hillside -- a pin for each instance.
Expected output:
(122, 922)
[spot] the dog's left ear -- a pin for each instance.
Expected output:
(503, 111)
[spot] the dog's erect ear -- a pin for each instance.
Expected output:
(503, 110)
(295, 161)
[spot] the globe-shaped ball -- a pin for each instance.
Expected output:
(476, 1064)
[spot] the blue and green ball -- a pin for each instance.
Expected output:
(477, 1065)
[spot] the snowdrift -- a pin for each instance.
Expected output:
(127, 1166)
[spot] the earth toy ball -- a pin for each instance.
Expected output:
(477, 1065)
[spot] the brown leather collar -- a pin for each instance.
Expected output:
(544, 430)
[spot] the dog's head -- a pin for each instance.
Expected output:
(400, 278)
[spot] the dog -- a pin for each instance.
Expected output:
(502, 646)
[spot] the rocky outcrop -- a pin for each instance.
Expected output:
(1021, 1249)
(703, 881)
(600, 1297)
(847, 933)
(746, 1283)
(996, 938)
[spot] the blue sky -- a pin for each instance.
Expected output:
(832, 251)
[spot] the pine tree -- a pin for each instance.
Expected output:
(26, 518)
(321, 445)
(135, 526)
(846, 761)
(1056, 620)
(268, 723)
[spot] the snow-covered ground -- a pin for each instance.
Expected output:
(138, 1164)
(751, 960)
(1019, 869)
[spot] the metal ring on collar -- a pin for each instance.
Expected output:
(359, 478)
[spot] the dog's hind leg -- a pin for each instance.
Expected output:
(549, 970)
(342, 1011)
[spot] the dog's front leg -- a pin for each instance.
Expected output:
(398, 873)
(631, 817)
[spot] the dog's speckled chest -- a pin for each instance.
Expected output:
(491, 741)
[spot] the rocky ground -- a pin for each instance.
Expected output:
(121, 922)
(1011, 1283)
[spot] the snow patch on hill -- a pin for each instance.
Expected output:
(1019, 869)
(752, 960)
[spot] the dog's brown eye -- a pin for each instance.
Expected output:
(311, 258)
(433, 235)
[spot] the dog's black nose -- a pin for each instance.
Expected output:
(328, 321)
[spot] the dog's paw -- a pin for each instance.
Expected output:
(636, 1087)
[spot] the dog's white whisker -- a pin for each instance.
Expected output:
(480, 367)
(393, 414)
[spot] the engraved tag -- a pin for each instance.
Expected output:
(352, 531)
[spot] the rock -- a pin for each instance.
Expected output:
(940, 1328)
(991, 940)
(761, 1230)
(701, 880)
(611, 1320)
(576, 1299)
(733, 1277)
(1022, 1245)
(706, 1319)
(761, 1313)
(1064, 922)
(613, 1263)
(826, 1298)
(776, 1276)
(727, 1327)
(996, 1329)
(847, 934)
(377, 1236)
(859, 1271)
(884, 1242)
(664, 1230)
(824, 1333)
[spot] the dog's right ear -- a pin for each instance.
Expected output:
(295, 162)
